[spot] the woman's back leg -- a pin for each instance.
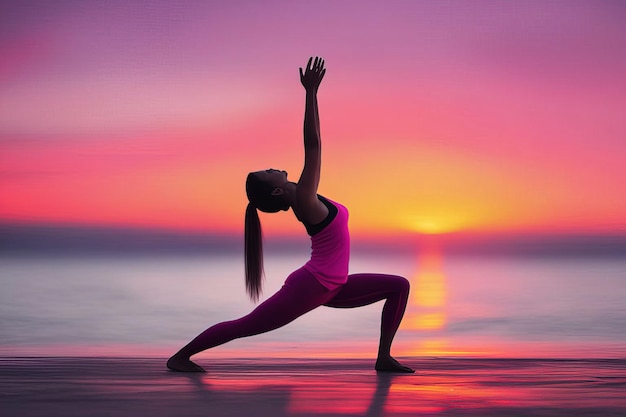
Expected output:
(301, 293)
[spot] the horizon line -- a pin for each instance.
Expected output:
(55, 238)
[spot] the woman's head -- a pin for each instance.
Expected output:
(265, 190)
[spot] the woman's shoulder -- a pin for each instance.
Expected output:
(328, 202)
(333, 209)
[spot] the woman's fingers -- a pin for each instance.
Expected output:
(314, 72)
(315, 64)
(318, 65)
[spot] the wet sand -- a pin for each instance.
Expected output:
(67, 386)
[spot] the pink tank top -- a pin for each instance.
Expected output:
(330, 251)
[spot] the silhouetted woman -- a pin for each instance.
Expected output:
(324, 279)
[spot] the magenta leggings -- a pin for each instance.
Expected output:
(301, 293)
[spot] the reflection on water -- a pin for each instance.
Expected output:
(427, 308)
(477, 387)
(427, 305)
(442, 387)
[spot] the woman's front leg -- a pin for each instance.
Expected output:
(365, 289)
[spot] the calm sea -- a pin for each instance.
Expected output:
(515, 306)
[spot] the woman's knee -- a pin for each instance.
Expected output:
(402, 284)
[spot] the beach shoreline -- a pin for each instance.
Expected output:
(125, 386)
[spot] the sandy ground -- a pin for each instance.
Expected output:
(68, 386)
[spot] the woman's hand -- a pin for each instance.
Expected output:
(312, 76)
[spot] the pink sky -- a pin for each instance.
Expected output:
(436, 116)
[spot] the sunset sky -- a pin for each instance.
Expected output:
(441, 116)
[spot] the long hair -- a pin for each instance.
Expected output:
(260, 197)
(253, 253)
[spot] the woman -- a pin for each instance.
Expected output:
(324, 279)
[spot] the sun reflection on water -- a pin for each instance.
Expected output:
(427, 304)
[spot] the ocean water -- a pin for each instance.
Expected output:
(485, 306)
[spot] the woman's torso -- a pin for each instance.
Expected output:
(330, 246)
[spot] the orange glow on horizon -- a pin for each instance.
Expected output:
(445, 193)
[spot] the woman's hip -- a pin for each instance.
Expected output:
(304, 283)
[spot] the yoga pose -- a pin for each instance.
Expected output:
(324, 279)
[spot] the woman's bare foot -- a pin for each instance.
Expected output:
(389, 364)
(179, 364)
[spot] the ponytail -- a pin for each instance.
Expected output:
(253, 253)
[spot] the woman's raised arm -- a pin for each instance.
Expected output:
(310, 209)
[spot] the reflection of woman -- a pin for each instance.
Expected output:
(324, 279)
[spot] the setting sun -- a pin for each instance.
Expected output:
(435, 224)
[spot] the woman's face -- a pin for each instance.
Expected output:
(273, 177)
